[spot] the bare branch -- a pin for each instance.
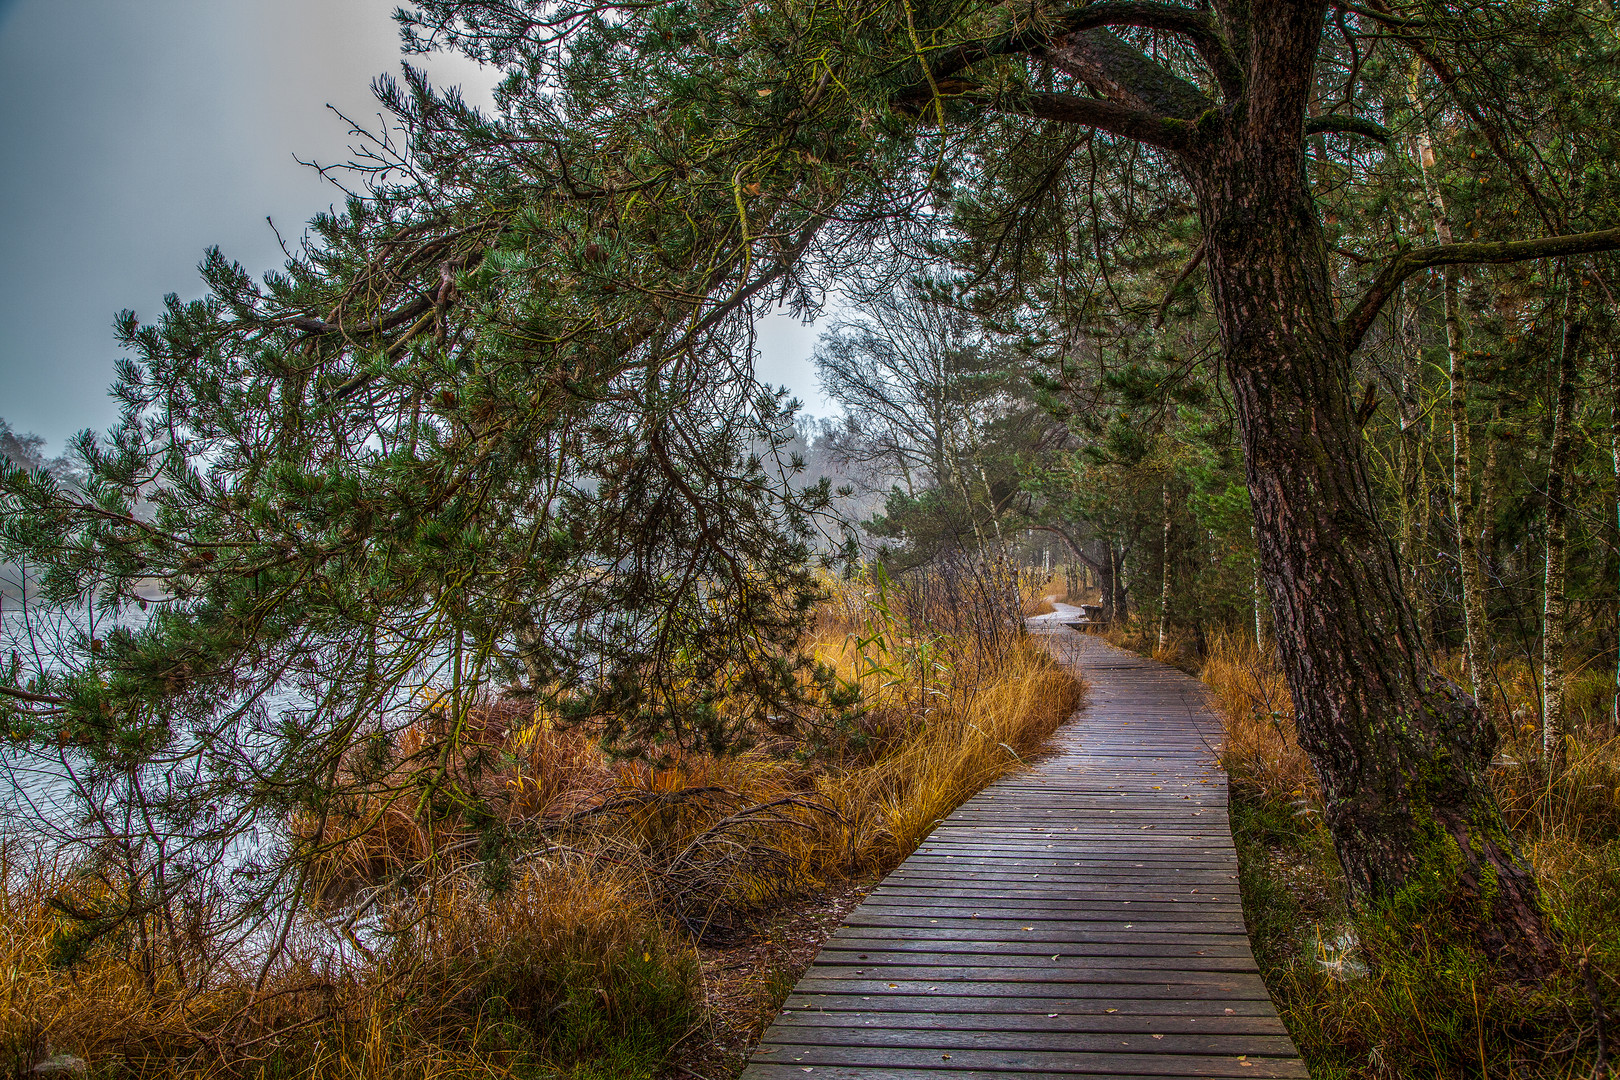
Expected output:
(1186, 272)
(1098, 113)
(24, 695)
(1405, 264)
(1338, 124)
(1196, 26)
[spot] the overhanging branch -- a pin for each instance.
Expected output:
(1404, 265)
(1117, 70)
(1347, 125)
(1099, 113)
(1074, 545)
(24, 695)
(1196, 26)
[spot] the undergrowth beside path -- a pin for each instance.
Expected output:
(1390, 992)
(419, 955)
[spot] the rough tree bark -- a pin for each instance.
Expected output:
(1400, 750)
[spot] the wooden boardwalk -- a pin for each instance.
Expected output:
(1080, 918)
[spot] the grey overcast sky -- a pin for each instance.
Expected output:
(136, 133)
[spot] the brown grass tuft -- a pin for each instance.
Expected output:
(1261, 751)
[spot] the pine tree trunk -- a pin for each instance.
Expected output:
(1412, 523)
(1555, 600)
(1105, 582)
(1121, 597)
(1487, 498)
(1475, 653)
(1401, 751)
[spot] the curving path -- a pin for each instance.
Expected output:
(1079, 918)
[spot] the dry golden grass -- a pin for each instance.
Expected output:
(1037, 590)
(1426, 1009)
(1261, 749)
(424, 1009)
(575, 957)
(948, 742)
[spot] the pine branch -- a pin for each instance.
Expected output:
(1196, 26)
(1110, 116)
(1347, 125)
(1403, 265)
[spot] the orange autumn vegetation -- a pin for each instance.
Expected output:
(574, 956)
(1365, 993)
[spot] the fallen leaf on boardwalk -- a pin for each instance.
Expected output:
(1228, 1012)
(1050, 1015)
(1116, 1010)
(1158, 1036)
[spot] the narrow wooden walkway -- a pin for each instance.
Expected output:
(1080, 918)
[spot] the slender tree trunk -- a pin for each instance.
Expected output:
(1111, 583)
(1614, 454)
(1400, 750)
(1105, 582)
(1259, 608)
(1121, 595)
(1487, 498)
(1555, 600)
(1164, 570)
(1412, 528)
(1462, 486)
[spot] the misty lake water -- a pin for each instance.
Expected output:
(41, 810)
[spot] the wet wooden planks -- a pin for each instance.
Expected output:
(1080, 918)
